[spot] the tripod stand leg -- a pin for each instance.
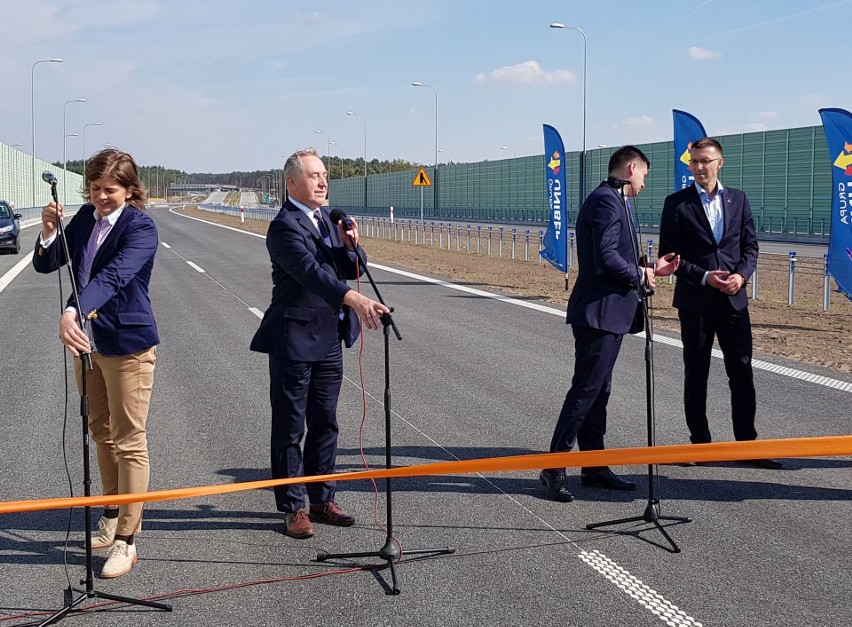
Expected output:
(675, 547)
(651, 515)
(94, 594)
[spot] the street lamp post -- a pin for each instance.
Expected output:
(511, 197)
(338, 144)
(64, 168)
(16, 175)
(446, 154)
(32, 97)
(365, 153)
(83, 142)
(582, 188)
(64, 149)
(435, 176)
(327, 147)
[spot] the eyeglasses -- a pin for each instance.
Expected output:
(702, 162)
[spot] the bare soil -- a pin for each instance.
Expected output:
(802, 332)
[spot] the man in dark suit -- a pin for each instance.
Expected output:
(712, 228)
(605, 303)
(312, 310)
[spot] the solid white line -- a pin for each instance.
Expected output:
(257, 312)
(7, 278)
(164, 245)
(471, 290)
(221, 226)
(195, 266)
(801, 375)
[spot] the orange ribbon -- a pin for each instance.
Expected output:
(672, 454)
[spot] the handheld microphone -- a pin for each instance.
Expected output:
(48, 177)
(339, 214)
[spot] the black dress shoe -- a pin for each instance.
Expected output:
(606, 479)
(556, 486)
(771, 464)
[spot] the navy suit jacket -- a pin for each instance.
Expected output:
(605, 295)
(309, 282)
(116, 298)
(685, 229)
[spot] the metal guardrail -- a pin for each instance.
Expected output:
(527, 244)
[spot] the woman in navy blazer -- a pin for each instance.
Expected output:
(112, 243)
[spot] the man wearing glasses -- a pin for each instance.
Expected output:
(712, 229)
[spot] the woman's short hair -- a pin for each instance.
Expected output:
(117, 164)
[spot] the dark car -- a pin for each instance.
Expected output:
(10, 228)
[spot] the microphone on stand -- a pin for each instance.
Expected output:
(339, 214)
(48, 177)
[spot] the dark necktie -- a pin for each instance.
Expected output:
(323, 228)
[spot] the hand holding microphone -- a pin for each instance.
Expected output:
(346, 225)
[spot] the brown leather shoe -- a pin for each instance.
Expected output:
(331, 514)
(299, 524)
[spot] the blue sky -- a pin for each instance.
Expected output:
(215, 86)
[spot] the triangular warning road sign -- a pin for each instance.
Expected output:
(422, 179)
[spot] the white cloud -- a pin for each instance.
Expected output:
(641, 120)
(811, 100)
(768, 115)
(754, 127)
(526, 73)
(702, 54)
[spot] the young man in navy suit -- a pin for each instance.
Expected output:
(112, 242)
(712, 228)
(604, 304)
(312, 311)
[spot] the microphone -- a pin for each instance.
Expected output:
(339, 214)
(48, 177)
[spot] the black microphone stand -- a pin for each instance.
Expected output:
(89, 592)
(390, 551)
(652, 509)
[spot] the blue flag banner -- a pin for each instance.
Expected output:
(687, 129)
(838, 134)
(555, 241)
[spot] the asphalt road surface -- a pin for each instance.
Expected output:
(473, 376)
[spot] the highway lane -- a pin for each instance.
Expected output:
(472, 377)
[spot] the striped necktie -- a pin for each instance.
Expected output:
(101, 226)
(323, 228)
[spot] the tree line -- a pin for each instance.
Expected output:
(157, 177)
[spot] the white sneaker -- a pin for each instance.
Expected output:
(106, 533)
(120, 560)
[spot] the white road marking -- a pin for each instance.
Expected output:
(7, 278)
(195, 266)
(666, 611)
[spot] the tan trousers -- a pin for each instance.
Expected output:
(119, 390)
